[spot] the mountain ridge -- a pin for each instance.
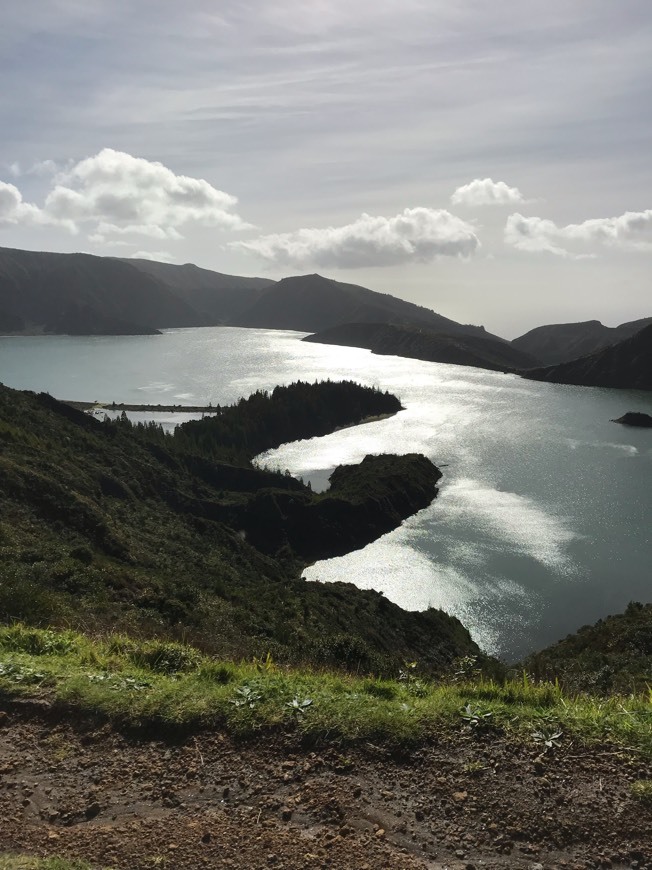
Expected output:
(561, 342)
(424, 343)
(625, 365)
(68, 293)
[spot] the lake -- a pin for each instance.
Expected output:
(542, 523)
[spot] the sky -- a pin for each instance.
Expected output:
(491, 161)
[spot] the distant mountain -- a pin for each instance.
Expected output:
(562, 342)
(309, 303)
(418, 342)
(83, 294)
(627, 364)
(217, 297)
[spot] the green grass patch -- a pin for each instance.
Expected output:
(642, 791)
(24, 862)
(173, 686)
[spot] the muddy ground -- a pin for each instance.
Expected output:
(79, 789)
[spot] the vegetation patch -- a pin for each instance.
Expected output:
(119, 679)
(25, 862)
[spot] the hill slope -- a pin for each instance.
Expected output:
(102, 526)
(80, 293)
(427, 344)
(219, 297)
(562, 342)
(84, 294)
(627, 365)
(309, 303)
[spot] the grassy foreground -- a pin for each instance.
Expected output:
(22, 862)
(171, 687)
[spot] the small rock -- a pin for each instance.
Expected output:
(92, 810)
(52, 835)
(380, 833)
(460, 796)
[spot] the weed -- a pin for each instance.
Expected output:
(549, 739)
(641, 789)
(299, 707)
(247, 697)
(475, 718)
(474, 767)
(16, 673)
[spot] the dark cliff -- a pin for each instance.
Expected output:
(420, 342)
(626, 365)
(562, 342)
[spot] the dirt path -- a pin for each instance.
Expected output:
(208, 802)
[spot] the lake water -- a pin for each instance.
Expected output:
(542, 523)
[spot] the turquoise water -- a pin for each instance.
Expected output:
(542, 523)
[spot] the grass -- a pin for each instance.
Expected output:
(642, 791)
(168, 686)
(23, 862)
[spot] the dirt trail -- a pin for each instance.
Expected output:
(466, 801)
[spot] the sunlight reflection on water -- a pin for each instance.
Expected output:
(543, 519)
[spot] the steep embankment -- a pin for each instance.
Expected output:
(417, 342)
(562, 342)
(614, 655)
(627, 365)
(103, 525)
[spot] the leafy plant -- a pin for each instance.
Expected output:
(406, 673)
(20, 674)
(118, 683)
(550, 739)
(247, 697)
(474, 717)
(299, 707)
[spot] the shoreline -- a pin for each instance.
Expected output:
(122, 406)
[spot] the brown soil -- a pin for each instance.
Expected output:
(465, 800)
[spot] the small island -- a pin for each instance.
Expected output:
(635, 418)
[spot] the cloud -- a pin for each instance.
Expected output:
(13, 210)
(114, 195)
(414, 235)
(159, 256)
(486, 191)
(629, 231)
(126, 194)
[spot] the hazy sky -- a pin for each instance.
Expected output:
(492, 161)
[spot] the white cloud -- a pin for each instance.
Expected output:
(13, 210)
(414, 235)
(115, 194)
(126, 194)
(159, 256)
(629, 231)
(486, 191)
